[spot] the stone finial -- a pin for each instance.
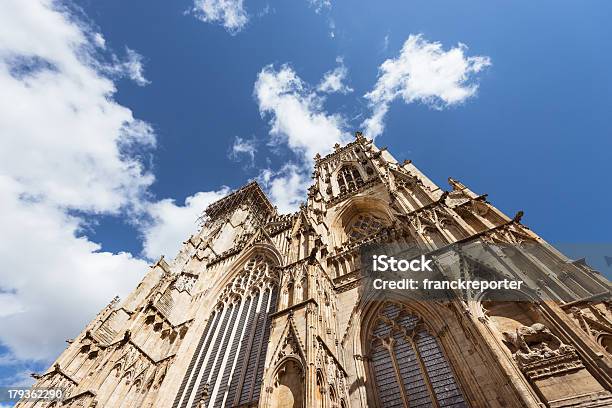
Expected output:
(337, 146)
(518, 216)
(317, 157)
(455, 184)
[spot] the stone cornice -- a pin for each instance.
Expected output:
(164, 317)
(142, 351)
(57, 370)
(292, 308)
(588, 299)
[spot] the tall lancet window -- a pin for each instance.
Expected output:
(227, 366)
(408, 366)
(349, 179)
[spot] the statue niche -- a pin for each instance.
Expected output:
(540, 354)
(533, 343)
(288, 386)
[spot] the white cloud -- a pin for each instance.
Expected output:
(297, 119)
(70, 151)
(286, 187)
(385, 45)
(243, 147)
(19, 379)
(423, 72)
(67, 148)
(134, 68)
(265, 11)
(332, 28)
(131, 67)
(296, 112)
(62, 132)
(229, 13)
(57, 280)
(320, 5)
(333, 81)
(171, 224)
(99, 40)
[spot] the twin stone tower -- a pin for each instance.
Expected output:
(261, 309)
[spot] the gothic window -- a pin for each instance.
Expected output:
(363, 226)
(226, 369)
(407, 363)
(349, 179)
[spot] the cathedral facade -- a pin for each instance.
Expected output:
(261, 309)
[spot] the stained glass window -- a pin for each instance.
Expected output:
(226, 369)
(363, 226)
(408, 365)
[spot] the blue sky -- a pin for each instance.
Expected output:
(536, 137)
(528, 124)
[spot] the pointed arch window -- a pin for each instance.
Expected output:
(408, 366)
(226, 369)
(349, 179)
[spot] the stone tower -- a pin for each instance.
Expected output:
(270, 310)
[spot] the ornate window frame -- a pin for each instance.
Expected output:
(351, 209)
(421, 326)
(334, 177)
(237, 325)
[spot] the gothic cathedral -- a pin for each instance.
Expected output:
(261, 309)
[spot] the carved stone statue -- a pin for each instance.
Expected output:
(535, 343)
(527, 337)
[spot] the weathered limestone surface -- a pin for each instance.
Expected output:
(270, 310)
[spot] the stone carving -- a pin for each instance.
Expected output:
(185, 282)
(540, 353)
(527, 338)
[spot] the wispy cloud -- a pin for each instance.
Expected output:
(287, 186)
(170, 224)
(320, 5)
(385, 44)
(423, 72)
(134, 67)
(231, 14)
(333, 81)
(243, 147)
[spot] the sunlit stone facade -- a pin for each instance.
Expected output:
(269, 310)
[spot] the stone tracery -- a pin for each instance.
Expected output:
(349, 179)
(238, 327)
(407, 363)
